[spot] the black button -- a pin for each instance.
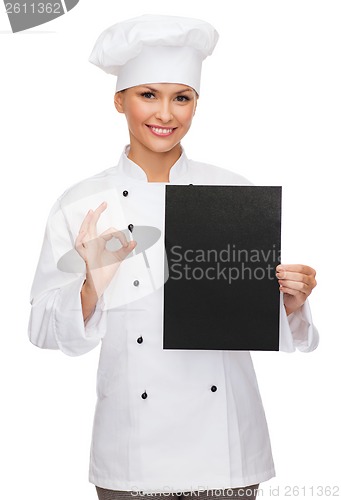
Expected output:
(131, 227)
(190, 184)
(125, 193)
(144, 395)
(213, 388)
(136, 283)
(139, 340)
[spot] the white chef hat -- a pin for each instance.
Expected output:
(155, 49)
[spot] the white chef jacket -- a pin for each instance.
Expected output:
(165, 420)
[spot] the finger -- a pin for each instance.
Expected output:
(112, 232)
(308, 279)
(122, 238)
(123, 252)
(296, 268)
(85, 224)
(94, 219)
(79, 243)
(79, 239)
(294, 286)
(298, 296)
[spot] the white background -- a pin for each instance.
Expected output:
(269, 109)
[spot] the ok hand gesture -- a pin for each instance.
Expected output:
(101, 263)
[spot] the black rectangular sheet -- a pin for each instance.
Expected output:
(222, 245)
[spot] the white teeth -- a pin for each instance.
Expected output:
(162, 130)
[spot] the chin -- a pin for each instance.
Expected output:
(162, 148)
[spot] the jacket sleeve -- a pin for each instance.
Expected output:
(56, 319)
(297, 330)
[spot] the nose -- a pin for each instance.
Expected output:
(164, 112)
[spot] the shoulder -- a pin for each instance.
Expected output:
(212, 174)
(89, 186)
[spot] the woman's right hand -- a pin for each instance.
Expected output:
(101, 263)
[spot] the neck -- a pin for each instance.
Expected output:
(156, 165)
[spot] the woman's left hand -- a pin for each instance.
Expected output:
(296, 282)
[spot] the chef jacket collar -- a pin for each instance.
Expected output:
(128, 167)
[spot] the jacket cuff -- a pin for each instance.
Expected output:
(297, 330)
(74, 336)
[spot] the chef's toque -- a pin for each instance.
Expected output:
(155, 49)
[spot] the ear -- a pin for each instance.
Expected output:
(118, 101)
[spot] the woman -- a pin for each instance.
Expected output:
(166, 421)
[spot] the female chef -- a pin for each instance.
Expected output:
(166, 421)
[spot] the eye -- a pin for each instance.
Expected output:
(182, 98)
(148, 95)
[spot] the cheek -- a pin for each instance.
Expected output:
(136, 115)
(187, 116)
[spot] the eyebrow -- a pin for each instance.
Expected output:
(157, 91)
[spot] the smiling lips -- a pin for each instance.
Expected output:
(161, 131)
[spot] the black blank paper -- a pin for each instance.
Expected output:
(222, 245)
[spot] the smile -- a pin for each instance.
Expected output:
(161, 131)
